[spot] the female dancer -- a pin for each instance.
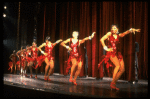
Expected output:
(13, 57)
(32, 58)
(74, 56)
(28, 60)
(34, 55)
(21, 55)
(49, 59)
(112, 52)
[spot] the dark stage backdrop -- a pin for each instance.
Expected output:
(59, 19)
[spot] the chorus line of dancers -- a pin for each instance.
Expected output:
(113, 57)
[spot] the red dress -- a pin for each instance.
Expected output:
(112, 43)
(74, 53)
(10, 65)
(48, 50)
(34, 54)
(22, 58)
(40, 59)
(28, 56)
(35, 58)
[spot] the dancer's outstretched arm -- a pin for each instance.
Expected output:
(87, 38)
(57, 42)
(132, 30)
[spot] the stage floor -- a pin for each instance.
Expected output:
(87, 86)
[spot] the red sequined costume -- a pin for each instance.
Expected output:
(35, 58)
(34, 54)
(74, 53)
(28, 56)
(10, 65)
(112, 43)
(19, 61)
(22, 59)
(48, 50)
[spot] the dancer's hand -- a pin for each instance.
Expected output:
(45, 54)
(68, 48)
(58, 41)
(93, 34)
(109, 50)
(134, 30)
(138, 30)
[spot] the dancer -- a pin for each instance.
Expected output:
(113, 52)
(74, 56)
(34, 55)
(21, 56)
(12, 64)
(32, 58)
(49, 59)
(28, 60)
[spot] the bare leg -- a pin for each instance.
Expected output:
(26, 70)
(78, 70)
(15, 69)
(74, 64)
(47, 66)
(51, 67)
(11, 69)
(120, 72)
(30, 67)
(36, 71)
(117, 66)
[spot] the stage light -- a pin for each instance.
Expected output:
(5, 7)
(4, 15)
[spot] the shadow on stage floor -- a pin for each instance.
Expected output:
(59, 86)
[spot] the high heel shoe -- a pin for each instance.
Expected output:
(74, 82)
(70, 80)
(25, 75)
(31, 76)
(45, 78)
(113, 86)
(48, 79)
(36, 76)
